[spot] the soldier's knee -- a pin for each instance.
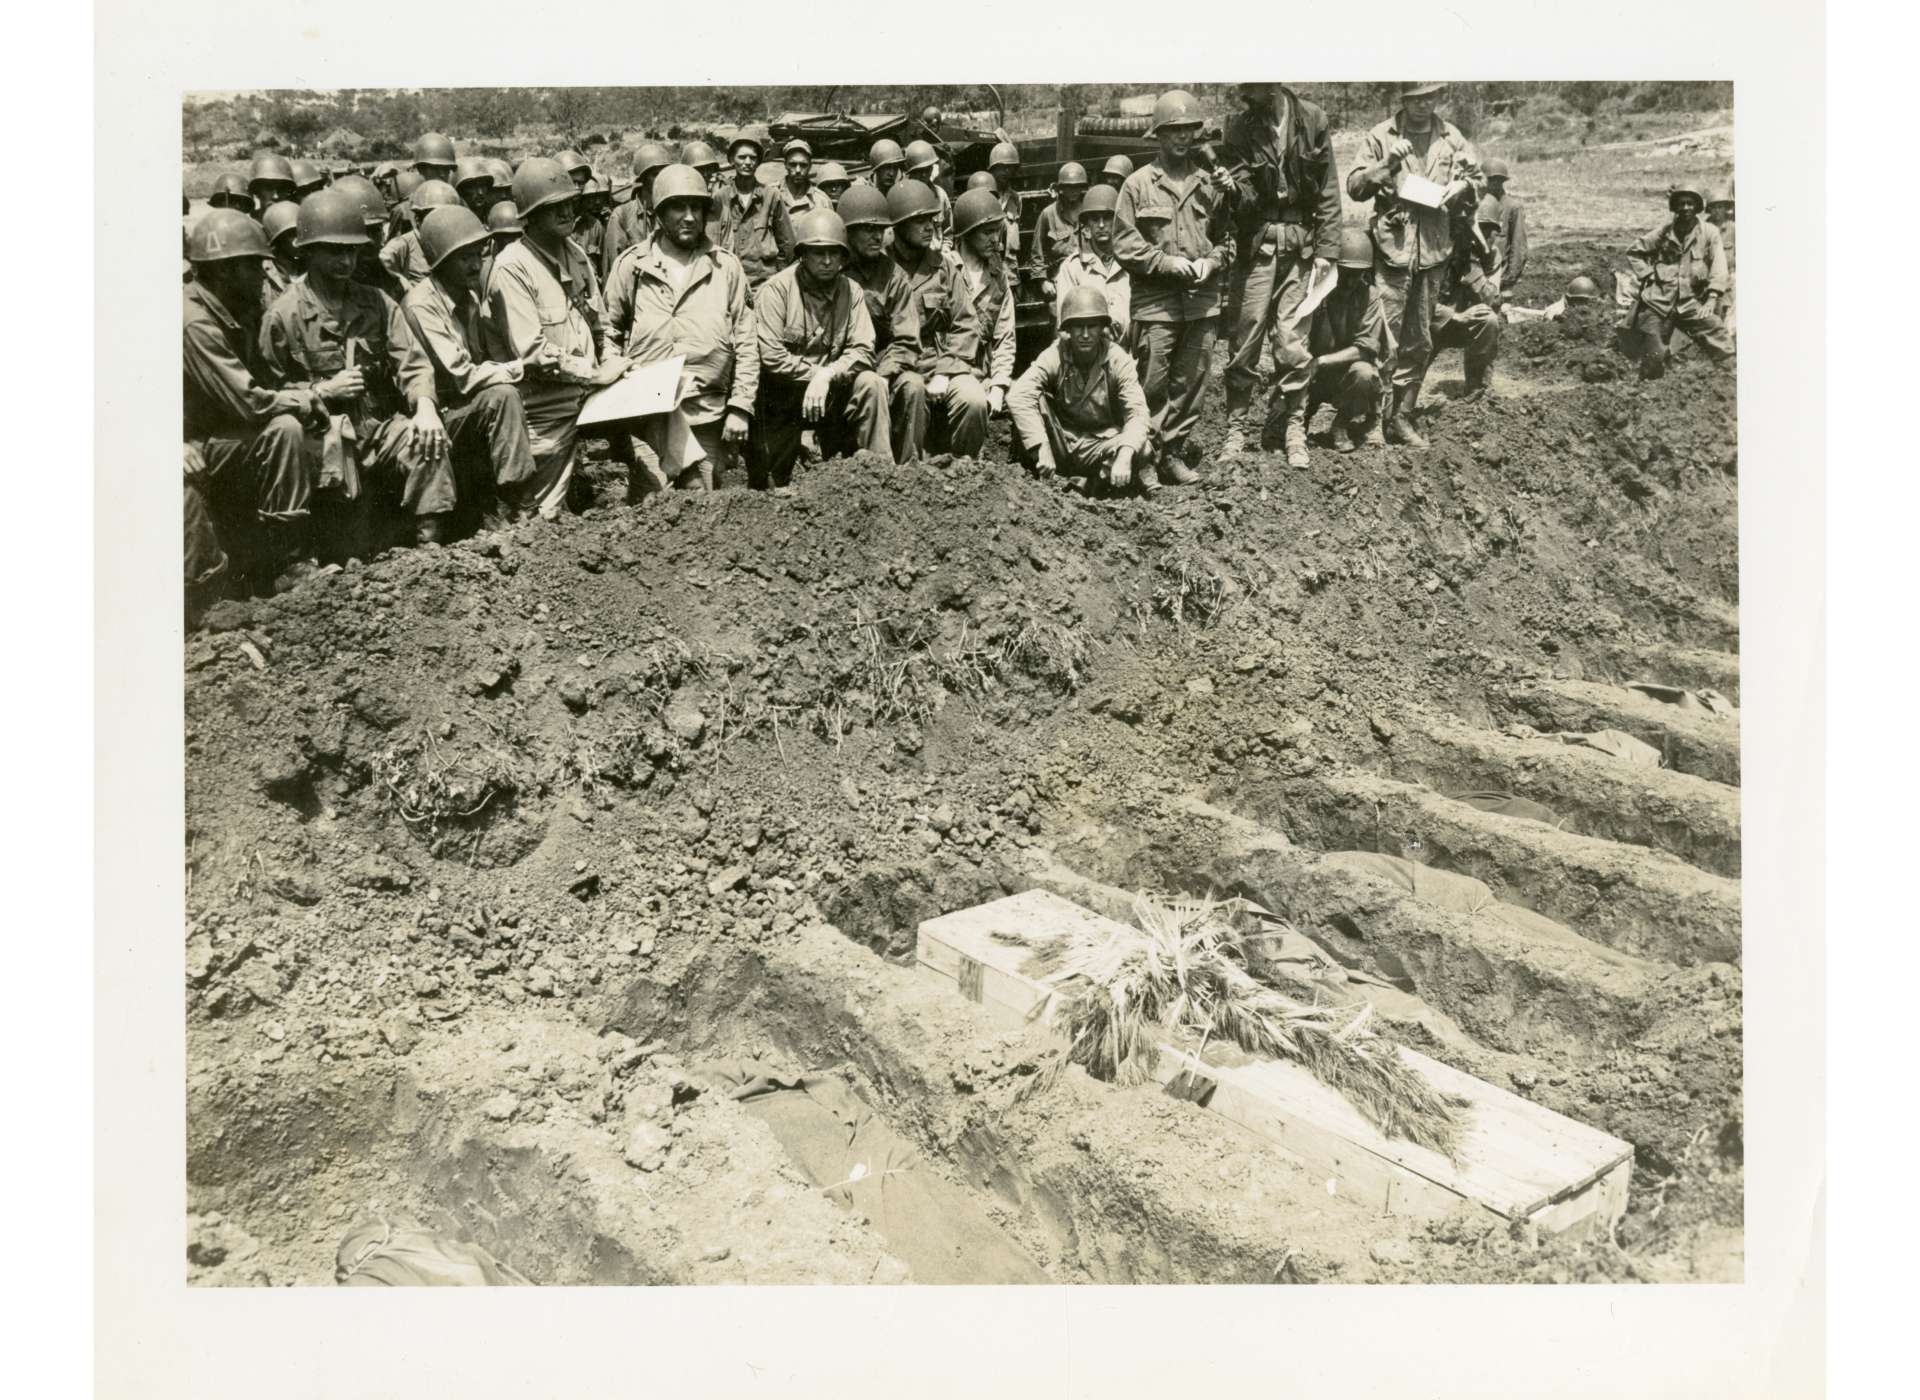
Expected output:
(1362, 377)
(282, 437)
(967, 395)
(868, 388)
(909, 387)
(500, 401)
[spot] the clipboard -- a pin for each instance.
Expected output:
(642, 392)
(1418, 189)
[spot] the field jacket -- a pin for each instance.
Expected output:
(1284, 168)
(1412, 234)
(708, 319)
(1187, 219)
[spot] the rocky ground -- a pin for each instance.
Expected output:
(491, 845)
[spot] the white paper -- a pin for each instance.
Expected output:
(1319, 284)
(1418, 189)
(640, 393)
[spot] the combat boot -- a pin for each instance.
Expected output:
(1175, 469)
(430, 529)
(1235, 446)
(1401, 427)
(1346, 436)
(1297, 430)
(1479, 381)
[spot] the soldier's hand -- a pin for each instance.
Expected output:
(1202, 270)
(611, 370)
(429, 434)
(1043, 464)
(1223, 180)
(342, 387)
(937, 386)
(735, 429)
(1121, 472)
(996, 400)
(1400, 152)
(814, 406)
(1047, 289)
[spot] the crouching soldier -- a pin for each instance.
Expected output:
(1351, 349)
(475, 399)
(349, 346)
(816, 357)
(1466, 308)
(1079, 410)
(1682, 270)
(938, 402)
(246, 470)
(680, 295)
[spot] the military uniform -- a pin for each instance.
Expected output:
(632, 223)
(803, 329)
(755, 230)
(1466, 311)
(1676, 275)
(1086, 268)
(890, 305)
(1081, 417)
(1512, 240)
(1352, 315)
(478, 399)
(1053, 241)
(405, 259)
(949, 344)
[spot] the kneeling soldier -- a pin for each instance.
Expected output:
(1350, 348)
(1079, 409)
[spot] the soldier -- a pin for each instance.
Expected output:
(1093, 264)
(1171, 233)
(703, 158)
(434, 158)
(278, 224)
(980, 232)
(1681, 267)
(680, 295)
(596, 206)
(399, 210)
(230, 192)
(1003, 163)
(403, 256)
(307, 178)
(1351, 348)
(831, 180)
(502, 177)
(1720, 215)
(1058, 226)
(579, 170)
(886, 163)
(1079, 411)
(245, 439)
(896, 327)
(797, 190)
(386, 179)
(503, 225)
(752, 221)
(270, 182)
(349, 346)
(473, 182)
(937, 401)
(632, 222)
(816, 357)
(1512, 237)
(1414, 240)
(544, 309)
(1279, 156)
(1114, 173)
(923, 164)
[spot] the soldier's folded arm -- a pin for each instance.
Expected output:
(217, 372)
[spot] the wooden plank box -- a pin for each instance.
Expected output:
(1517, 1159)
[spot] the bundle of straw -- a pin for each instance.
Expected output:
(1185, 969)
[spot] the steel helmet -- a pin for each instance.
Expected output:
(220, 234)
(1084, 304)
(795, 143)
(1720, 194)
(1582, 289)
(331, 216)
(432, 194)
(1420, 89)
(1006, 153)
(974, 208)
(269, 168)
(983, 180)
(820, 229)
(699, 154)
(1356, 248)
(920, 154)
(307, 177)
(1489, 210)
(231, 187)
(470, 168)
(1680, 187)
(680, 182)
(502, 174)
(540, 182)
(406, 182)
(864, 204)
(504, 217)
(1101, 199)
(445, 231)
(831, 172)
(743, 139)
(1494, 168)
(650, 157)
(1073, 175)
(597, 191)
(1117, 165)
(571, 160)
(373, 204)
(385, 170)
(910, 199)
(885, 152)
(279, 219)
(1175, 108)
(433, 149)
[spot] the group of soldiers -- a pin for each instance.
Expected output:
(417, 347)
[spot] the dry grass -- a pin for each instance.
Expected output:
(432, 790)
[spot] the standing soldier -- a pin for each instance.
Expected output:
(307, 178)
(1720, 215)
(1171, 233)
(937, 401)
(1351, 348)
(245, 438)
(1682, 270)
(596, 204)
(923, 164)
(980, 231)
(399, 210)
(1114, 173)
(1058, 227)
(503, 227)
(751, 222)
(1078, 410)
(816, 357)
(896, 329)
(1092, 263)
(579, 169)
(348, 345)
(1287, 232)
(831, 179)
(796, 190)
(680, 295)
(1512, 238)
(278, 224)
(473, 182)
(703, 158)
(1003, 163)
(434, 158)
(1414, 239)
(632, 222)
(270, 182)
(403, 256)
(474, 397)
(544, 309)
(885, 162)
